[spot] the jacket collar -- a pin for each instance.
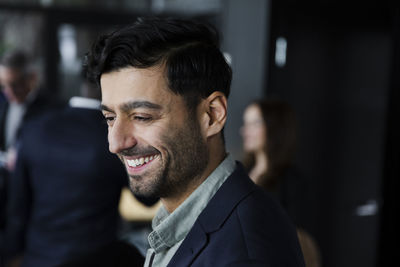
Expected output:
(235, 188)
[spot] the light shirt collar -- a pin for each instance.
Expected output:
(84, 102)
(169, 230)
(14, 119)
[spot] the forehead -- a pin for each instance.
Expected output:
(134, 84)
(252, 112)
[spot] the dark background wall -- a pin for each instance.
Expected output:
(244, 26)
(389, 228)
(338, 76)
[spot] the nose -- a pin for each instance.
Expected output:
(121, 136)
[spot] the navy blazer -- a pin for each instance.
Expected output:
(241, 226)
(65, 191)
(41, 104)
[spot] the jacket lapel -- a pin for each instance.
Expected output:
(232, 191)
(190, 247)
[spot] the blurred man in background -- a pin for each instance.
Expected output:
(22, 100)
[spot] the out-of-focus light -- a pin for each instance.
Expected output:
(46, 2)
(370, 208)
(158, 6)
(228, 58)
(67, 46)
(280, 52)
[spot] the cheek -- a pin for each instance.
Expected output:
(255, 138)
(108, 139)
(110, 142)
(156, 137)
(259, 134)
(253, 133)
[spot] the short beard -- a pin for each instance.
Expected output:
(186, 160)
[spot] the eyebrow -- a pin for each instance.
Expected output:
(126, 107)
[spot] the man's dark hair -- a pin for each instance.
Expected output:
(195, 66)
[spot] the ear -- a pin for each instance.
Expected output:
(214, 113)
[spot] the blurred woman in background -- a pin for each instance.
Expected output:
(269, 140)
(269, 143)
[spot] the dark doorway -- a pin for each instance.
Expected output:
(336, 73)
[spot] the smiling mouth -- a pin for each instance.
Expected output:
(140, 161)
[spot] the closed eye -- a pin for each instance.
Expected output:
(109, 120)
(143, 118)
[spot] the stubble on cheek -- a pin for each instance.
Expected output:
(150, 183)
(184, 157)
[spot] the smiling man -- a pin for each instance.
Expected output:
(164, 85)
(153, 137)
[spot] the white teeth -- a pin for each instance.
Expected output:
(131, 163)
(140, 161)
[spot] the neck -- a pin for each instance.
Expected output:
(261, 159)
(216, 156)
(171, 203)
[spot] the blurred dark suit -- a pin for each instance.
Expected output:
(65, 190)
(39, 104)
